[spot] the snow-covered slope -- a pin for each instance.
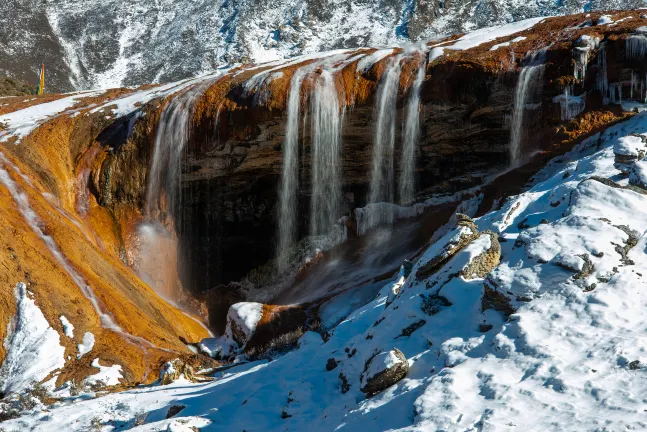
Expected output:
(108, 43)
(564, 259)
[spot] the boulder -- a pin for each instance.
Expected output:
(174, 370)
(483, 264)
(465, 232)
(242, 319)
(638, 174)
(628, 150)
(384, 370)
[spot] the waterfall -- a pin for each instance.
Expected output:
(172, 135)
(529, 76)
(325, 205)
(290, 174)
(158, 245)
(410, 141)
(382, 177)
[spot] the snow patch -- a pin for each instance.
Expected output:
(68, 328)
(107, 376)
(33, 347)
(85, 346)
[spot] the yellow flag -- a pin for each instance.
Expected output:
(41, 86)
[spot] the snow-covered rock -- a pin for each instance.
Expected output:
(638, 174)
(627, 150)
(384, 370)
(174, 370)
(242, 319)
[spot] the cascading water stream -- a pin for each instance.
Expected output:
(529, 77)
(411, 133)
(325, 205)
(290, 174)
(382, 167)
(170, 140)
(158, 246)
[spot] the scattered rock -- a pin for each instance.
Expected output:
(634, 365)
(345, 385)
(483, 328)
(174, 410)
(433, 304)
(285, 415)
(383, 370)
(173, 370)
(493, 299)
(412, 328)
(331, 364)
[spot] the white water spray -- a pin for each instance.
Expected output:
(290, 174)
(325, 205)
(382, 177)
(407, 184)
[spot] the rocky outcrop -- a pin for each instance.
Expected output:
(465, 233)
(628, 150)
(383, 370)
(481, 265)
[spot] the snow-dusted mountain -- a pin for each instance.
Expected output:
(108, 43)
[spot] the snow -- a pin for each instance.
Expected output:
(33, 347)
(489, 34)
(245, 315)
(107, 376)
(638, 174)
(571, 356)
(368, 61)
(68, 328)
(505, 44)
(85, 346)
(21, 123)
(127, 104)
(629, 146)
(605, 19)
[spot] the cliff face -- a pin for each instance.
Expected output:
(234, 161)
(87, 171)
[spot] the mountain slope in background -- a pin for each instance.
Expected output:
(108, 43)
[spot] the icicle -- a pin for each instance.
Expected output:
(636, 47)
(602, 81)
(571, 106)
